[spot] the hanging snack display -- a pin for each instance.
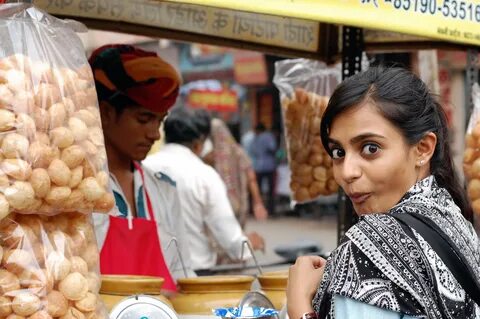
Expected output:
(52, 157)
(53, 170)
(49, 267)
(471, 157)
(304, 87)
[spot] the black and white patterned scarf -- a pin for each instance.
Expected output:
(379, 264)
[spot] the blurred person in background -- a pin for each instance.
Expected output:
(246, 141)
(204, 201)
(135, 90)
(235, 167)
(263, 148)
(223, 153)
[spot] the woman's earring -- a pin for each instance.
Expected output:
(421, 162)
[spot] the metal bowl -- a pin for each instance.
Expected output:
(257, 299)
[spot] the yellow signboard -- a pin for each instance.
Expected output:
(252, 27)
(449, 20)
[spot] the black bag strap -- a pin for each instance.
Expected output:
(445, 249)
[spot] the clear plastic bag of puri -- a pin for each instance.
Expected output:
(471, 156)
(53, 170)
(305, 87)
(52, 157)
(50, 267)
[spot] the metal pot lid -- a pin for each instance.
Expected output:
(142, 307)
(256, 299)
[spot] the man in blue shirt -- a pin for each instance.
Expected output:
(263, 150)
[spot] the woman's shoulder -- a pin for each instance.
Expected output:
(379, 225)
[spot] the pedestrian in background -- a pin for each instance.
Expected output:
(263, 148)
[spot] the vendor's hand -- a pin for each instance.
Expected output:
(303, 280)
(259, 211)
(257, 241)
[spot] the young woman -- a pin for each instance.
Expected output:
(388, 139)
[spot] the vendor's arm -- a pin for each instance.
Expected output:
(303, 280)
(220, 219)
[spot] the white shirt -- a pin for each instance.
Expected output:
(166, 210)
(204, 202)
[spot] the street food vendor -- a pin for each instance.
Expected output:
(135, 90)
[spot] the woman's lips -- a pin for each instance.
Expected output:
(359, 198)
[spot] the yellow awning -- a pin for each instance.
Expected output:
(447, 20)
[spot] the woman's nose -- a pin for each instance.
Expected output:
(351, 169)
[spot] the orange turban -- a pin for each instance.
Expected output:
(128, 75)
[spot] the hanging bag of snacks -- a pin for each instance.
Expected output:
(53, 170)
(305, 87)
(471, 156)
(52, 156)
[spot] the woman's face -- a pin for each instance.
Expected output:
(371, 160)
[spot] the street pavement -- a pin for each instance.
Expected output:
(288, 231)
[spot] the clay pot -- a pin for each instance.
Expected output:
(117, 287)
(202, 294)
(274, 286)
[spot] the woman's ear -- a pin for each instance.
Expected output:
(425, 148)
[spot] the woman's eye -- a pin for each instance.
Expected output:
(338, 153)
(370, 149)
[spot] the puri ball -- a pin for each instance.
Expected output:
(87, 304)
(61, 137)
(58, 266)
(40, 155)
(91, 189)
(473, 189)
(26, 304)
(20, 195)
(79, 129)
(15, 146)
(57, 304)
(79, 265)
(105, 203)
(59, 173)
(8, 282)
(4, 208)
(26, 125)
(40, 181)
(5, 306)
(302, 194)
(74, 286)
(7, 120)
(73, 156)
(93, 282)
(73, 313)
(42, 314)
(87, 117)
(17, 261)
(16, 168)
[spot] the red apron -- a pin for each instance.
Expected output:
(135, 251)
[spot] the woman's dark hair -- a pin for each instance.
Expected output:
(403, 99)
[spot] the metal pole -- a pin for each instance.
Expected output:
(352, 50)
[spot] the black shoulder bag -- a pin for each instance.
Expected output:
(445, 249)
